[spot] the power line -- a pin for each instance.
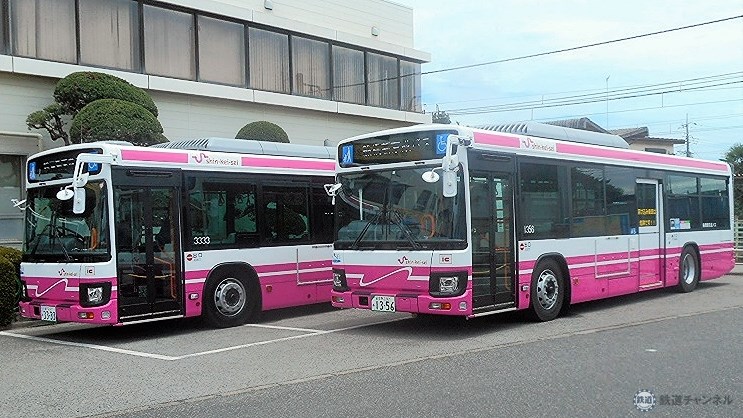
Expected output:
(572, 102)
(558, 51)
(616, 93)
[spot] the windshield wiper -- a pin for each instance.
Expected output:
(405, 230)
(375, 218)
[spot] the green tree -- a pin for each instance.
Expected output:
(77, 90)
(263, 131)
(734, 157)
(440, 116)
(119, 120)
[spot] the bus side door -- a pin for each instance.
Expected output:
(148, 255)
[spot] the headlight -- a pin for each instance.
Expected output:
(339, 280)
(447, 284)
(94, 294)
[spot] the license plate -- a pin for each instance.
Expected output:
(49, 313)
(383, 303)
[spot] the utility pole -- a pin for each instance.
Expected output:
(686, 125)
(687, 137)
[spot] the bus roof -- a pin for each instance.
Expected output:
(544, 130)
(243, 146)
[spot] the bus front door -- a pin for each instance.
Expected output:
(493, 272)
(147, 244)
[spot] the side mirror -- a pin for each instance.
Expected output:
(430, 176)
(450, 184)
(78, 202)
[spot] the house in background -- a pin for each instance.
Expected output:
(321, 70)
(640, 139)
(637, 138)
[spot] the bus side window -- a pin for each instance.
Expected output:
(286, 214)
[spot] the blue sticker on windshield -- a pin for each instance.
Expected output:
(441, 143)
(347, 154)
(32, 170)
(93, 167)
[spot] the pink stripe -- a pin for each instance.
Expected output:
(297, 164)
(495, 139)
(642, 157)
(155, 156)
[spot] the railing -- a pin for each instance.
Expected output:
(738, 237)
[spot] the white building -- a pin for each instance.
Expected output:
(320, 69)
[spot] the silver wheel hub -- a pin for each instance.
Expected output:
(548, 290)
(689, 269)
(230, 297)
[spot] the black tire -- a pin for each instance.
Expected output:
(688, 270)
(547, 290)
(230, 299)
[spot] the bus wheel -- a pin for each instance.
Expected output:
(688, 271)
(547, 290)
(228, 300)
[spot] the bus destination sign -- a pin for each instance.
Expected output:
(409, 146)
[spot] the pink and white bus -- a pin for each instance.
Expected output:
(223, 228)
(452, 220)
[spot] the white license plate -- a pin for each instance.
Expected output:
(383, 303)
(49, 313)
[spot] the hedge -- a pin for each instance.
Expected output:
(10, 260)
(79, 89)
(263, 131)
(114, 119)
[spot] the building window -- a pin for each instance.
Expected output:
(44, 29)
(11, 219)
(410, 86)
(221, 51)
(657, 150)
(169, 43)
(383, 81)
(311, 67)
(348, 75)
(269, 60)
(3, 28)
(110, 35)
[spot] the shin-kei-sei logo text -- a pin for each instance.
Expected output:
(405, 261)
(204, 158)
(538, 144)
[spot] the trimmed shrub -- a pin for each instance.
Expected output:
(12, 255)
(79, 89)
(116, 120)
(8, 300)
(263, 131)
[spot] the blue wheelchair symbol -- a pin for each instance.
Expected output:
(441, 144)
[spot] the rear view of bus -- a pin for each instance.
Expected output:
(401, 238)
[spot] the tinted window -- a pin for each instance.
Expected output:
(587, 186)
(541, 204)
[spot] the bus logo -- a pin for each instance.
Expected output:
(347, 154)
(441, 143)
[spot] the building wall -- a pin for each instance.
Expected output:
(349, 19)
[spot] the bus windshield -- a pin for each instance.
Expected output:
(396, 209)
(55, 233)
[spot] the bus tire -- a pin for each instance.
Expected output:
(547, 290)
(229, 299)
(688, 270)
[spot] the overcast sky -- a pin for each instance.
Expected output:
(707, 58)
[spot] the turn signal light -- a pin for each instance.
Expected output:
(338, 299)
(85, 315)
(440, 306)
